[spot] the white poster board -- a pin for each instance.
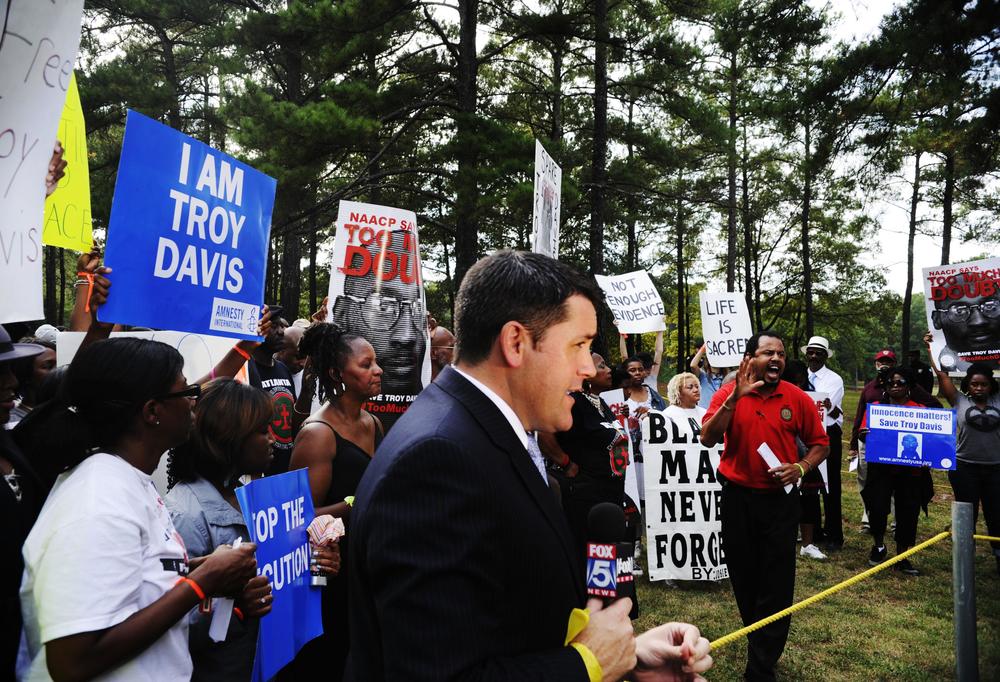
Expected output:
(634, 302)
(39, 44)
(545, 211)
(725, 326)
(377, 291)
(683, 502)
(963, 314)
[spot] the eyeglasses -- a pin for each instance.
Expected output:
(957, 314)
(192, 391)
(381, 313)
(896, 382)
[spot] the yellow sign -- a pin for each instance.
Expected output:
(67, 210)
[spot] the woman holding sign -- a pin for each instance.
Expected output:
(335, 444)
(230, 439)
(906, 484)
(976, 477)
(108, 584)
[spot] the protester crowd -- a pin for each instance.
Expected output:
(88, 539)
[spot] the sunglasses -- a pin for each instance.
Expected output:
(192, 391)
(896, 382)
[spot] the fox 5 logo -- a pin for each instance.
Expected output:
(602, 571)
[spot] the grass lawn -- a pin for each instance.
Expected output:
(889, 627)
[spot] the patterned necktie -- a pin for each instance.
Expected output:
(536, 457)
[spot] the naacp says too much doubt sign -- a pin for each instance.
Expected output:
(188, 235)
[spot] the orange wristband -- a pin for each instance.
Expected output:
(194, 586)
(246, 356)
(239, 614)
(89, 276)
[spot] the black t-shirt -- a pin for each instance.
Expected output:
(587, 441)
(277, 381)
(16, 519)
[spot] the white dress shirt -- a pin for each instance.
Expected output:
(829, 382)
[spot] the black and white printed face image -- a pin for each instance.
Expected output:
(970, 322)
(385, 306)
(909, 446)
(545, 219)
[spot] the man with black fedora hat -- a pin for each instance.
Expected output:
(21, 497)
(825, 380)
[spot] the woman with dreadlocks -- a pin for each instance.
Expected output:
(335, 445)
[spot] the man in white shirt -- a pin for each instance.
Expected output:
(825, 380)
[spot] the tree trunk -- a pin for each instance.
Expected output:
(170, 76)
(806, 205)
(49, 304)
(291, 273)
(632, 255)
(313, 285)
(908, 293)
(556, 131)
(949, 198)
(731, 178)
(600, 151)
(466, 181)
(62, 288)
(681, 298)
(748, 247)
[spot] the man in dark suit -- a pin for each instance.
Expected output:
(462, 564)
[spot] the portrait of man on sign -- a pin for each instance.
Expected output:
(383, 301)
(968, 313)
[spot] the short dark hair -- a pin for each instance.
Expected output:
(507, 286)
(905, 372)
(645, 358)
(983, 370)
(754, 341)
(102, 394)
(228, 412)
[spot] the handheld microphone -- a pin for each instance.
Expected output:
(609, 556)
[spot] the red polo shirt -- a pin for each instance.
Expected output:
(775, 419)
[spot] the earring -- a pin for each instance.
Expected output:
(156, 423)
(343, 387)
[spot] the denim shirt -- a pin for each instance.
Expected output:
(206, 520)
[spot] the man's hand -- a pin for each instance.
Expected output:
(256, 599)
(853, 454)
(610, 638)
(56, 170)
(745, 380)
(786, 473)
(672, 652)
(320, 314)
(827, 404)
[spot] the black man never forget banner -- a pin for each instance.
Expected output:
(683, 499)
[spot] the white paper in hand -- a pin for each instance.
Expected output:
(222, 612)
(772, 461)
(853, 466)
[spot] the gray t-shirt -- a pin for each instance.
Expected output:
(978, 430)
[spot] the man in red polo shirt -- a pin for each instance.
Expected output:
(759, 412)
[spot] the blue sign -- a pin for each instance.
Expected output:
(277, 511)
(188, 235)
(912, 436)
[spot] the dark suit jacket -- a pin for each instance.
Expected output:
(462, 566)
